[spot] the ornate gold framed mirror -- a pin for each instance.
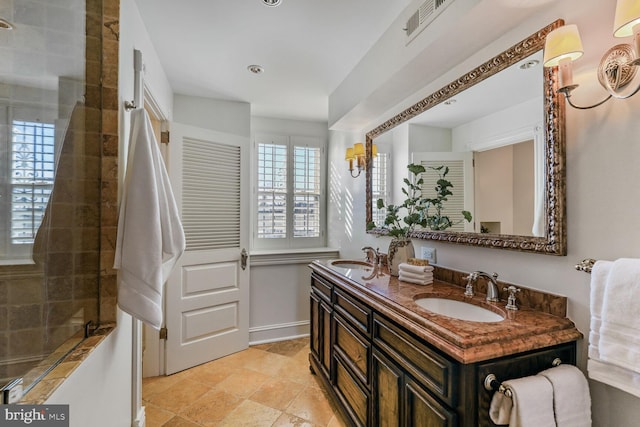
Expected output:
(552, 237)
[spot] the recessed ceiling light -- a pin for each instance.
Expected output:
(450, 101)
(529, 64)
(5, 25)
(256, 69)
(272, 3)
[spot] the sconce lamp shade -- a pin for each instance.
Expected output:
(374, 150)
(627, 16)
(358, 149)
(562, 43)
(349, 154)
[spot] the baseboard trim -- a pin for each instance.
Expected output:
(278, 332)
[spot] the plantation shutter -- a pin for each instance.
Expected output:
(306, 191)
(380, 187)
(211, 195)
(461, 176)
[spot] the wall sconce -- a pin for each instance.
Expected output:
(357, 153)
(617, 67)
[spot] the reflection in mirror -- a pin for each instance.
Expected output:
(500, 131)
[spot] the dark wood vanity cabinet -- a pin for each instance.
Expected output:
(381, 374)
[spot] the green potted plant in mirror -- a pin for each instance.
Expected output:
(438, 221)
(399, 226)
(416, 214)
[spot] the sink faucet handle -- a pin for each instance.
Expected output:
(468, 290)
(511, 300)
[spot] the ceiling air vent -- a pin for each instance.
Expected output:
(422, 17)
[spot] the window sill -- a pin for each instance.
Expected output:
(264, 257)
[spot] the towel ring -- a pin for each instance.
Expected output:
(491, 382)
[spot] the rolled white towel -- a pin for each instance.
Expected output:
(403, 278)
(416, 276)
(415, 268)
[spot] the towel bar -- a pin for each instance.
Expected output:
(586, 265)
(491, 382)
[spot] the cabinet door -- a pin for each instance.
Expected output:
(387, 389)
(353, 349)
(351, 393)
(325, 343)
(316, 326)
(320, 340)
(422, 409)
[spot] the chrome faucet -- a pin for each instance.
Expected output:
(492, 285)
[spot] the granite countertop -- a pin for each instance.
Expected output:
(465, 341)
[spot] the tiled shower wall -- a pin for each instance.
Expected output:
(72, 281)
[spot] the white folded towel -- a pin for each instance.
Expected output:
(599, 276)
(409, 268)
(619, 342)
(531, 403)
(422, 276)
(571, 398)
(612, 375)
(423, 282)
(150, 236)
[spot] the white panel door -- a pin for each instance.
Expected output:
(207, 297)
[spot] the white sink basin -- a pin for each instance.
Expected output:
(458, 310)
(352, 264)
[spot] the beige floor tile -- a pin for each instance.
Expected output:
(336, 421)
(179, 422)
(154, 385)
(299, 372)
(311, 406)
(251, 414)
(243, 383)
(288, 420)
(180, 395)
(287, 348)
(263, 386)
(156, 416)
(211, 408)
(267, 363)
(277, 393)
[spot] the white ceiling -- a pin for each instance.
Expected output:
(307, 47)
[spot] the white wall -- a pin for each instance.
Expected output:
(99, 391)
(279, 293)
(602, 187)
(222, 116)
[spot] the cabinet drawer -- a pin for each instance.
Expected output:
(357, 313)
(424, 364)
(354, 398)
(355, 351)
(322, 287)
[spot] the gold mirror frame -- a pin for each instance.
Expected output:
(555, 240)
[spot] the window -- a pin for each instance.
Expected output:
(32, 175)
(289, 192)
(380, 187)
(27, 184)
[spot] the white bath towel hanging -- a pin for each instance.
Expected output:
(150, 235)
(605, 372)
(620, 330)
(571, 397)
(530, 404)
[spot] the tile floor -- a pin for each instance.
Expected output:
(263, 386)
